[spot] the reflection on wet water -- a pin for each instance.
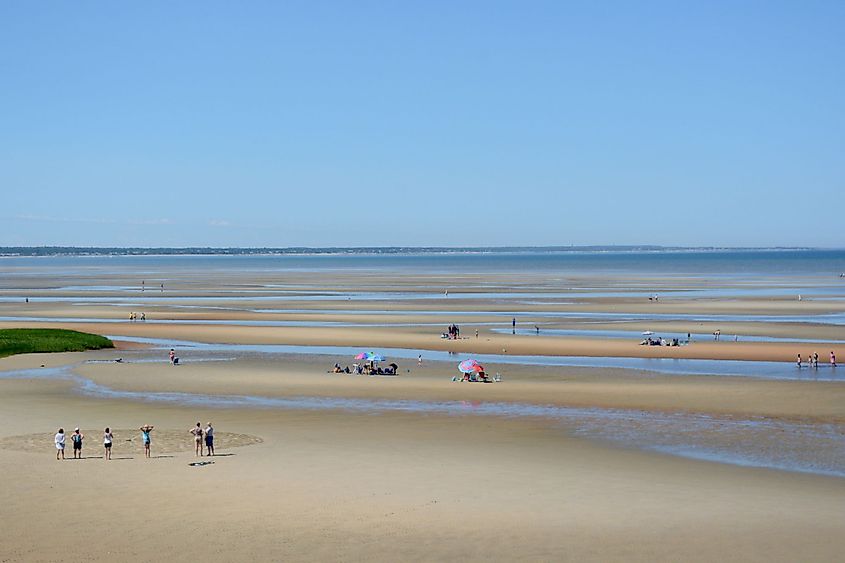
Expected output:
(761, 370)
(638, 336)
(758, 442)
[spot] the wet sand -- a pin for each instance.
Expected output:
(335, 484)
(340, 485)
(428, 338)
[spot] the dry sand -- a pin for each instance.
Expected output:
(333, 485)
(339, 485)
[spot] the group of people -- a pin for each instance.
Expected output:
(813, 360)
(368, 368)
(453, 332)
(200, 435)
(657, 341)
(477, 377)
(207, 435)
(133, 316)
(76, 438)
(108, 439)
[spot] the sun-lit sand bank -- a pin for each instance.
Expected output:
(488, 343)
(340, 485)
(320, 466)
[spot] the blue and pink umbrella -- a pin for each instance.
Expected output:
(470, 366)
(370, 357)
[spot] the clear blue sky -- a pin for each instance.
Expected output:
(440, 123)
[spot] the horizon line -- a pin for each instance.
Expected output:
(43, 250)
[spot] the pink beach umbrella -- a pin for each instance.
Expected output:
(469, 366)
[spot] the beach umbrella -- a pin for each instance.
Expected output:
(469, 366)
(370, 356)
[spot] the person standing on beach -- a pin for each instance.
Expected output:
(59, 438)
(77, 438)
(815, 359)
(513, 325)
(197, 432)
(108, 438)
(145, 437)
(209, 439)
(799, 360)
(419, 360)
(172, 355)
(832, 359)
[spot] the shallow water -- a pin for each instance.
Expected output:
(758, 442)
(761, 370)
(749, 264)
(634, 335)
(502, 327)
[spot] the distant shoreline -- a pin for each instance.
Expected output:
(35, 251)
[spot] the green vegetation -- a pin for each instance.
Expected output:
(33, 340)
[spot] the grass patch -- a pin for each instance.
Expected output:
(38, 340)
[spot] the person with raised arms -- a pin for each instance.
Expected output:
(145, 437)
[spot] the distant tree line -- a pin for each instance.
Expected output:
(235, 251)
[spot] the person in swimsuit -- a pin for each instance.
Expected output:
(77, 438)
(197, 432)
(59, 438)
(209, 439)
(108, 438)
(832, 359)
(172, 355)
(145, 437)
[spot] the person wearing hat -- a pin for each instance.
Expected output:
(76, 438)
(209, 439)
(59, 439)
(145, 438)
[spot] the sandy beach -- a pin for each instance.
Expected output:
(411, 282)
(313, 465)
